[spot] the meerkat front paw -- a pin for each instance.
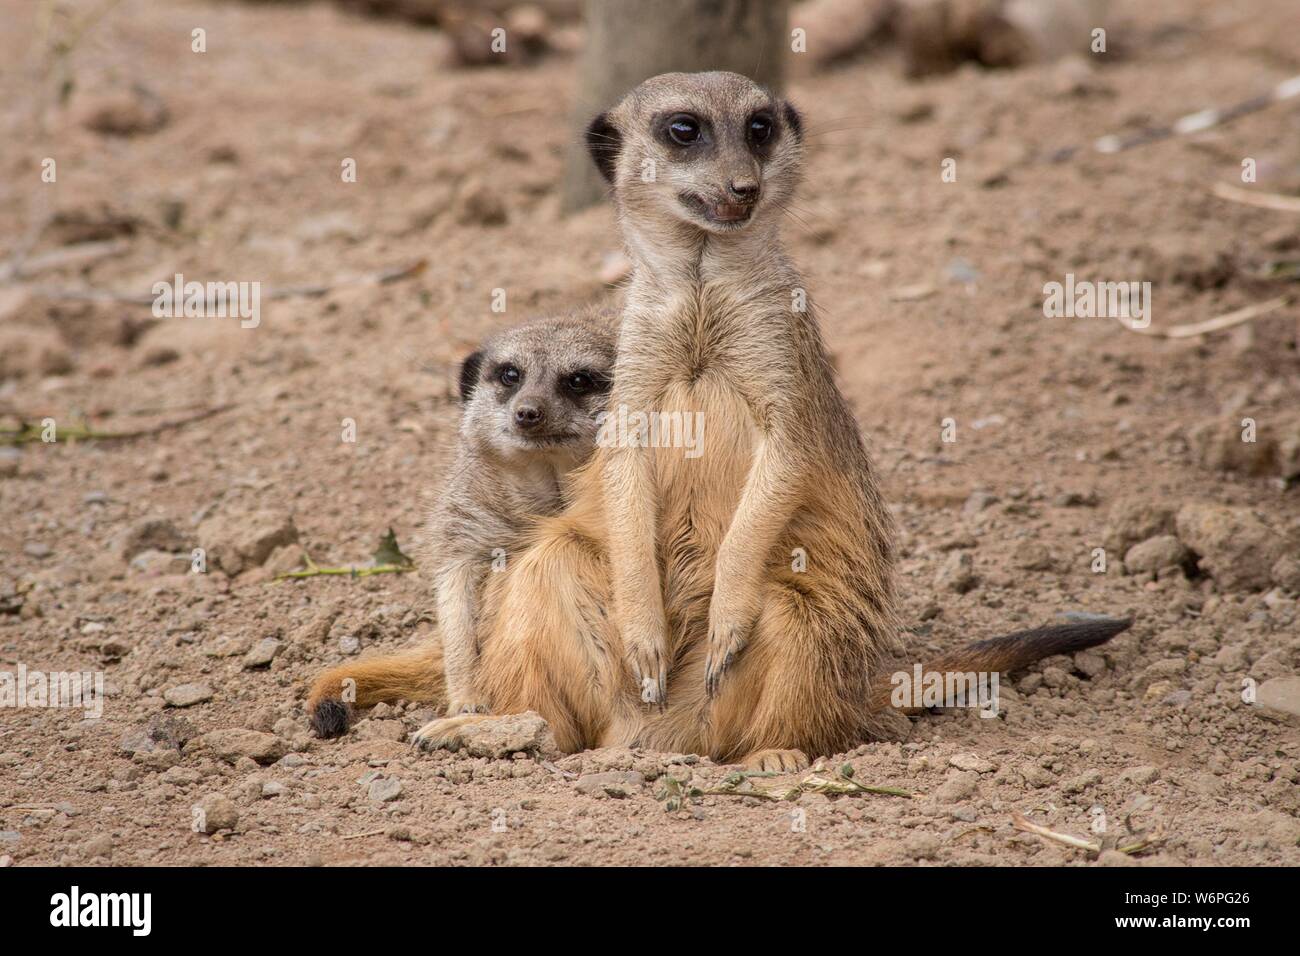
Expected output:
(650, 672)
(645, 639)
(728, 633)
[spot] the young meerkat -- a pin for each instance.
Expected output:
(737, 602)
(531, 398)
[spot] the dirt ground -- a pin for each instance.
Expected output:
(1072, 434)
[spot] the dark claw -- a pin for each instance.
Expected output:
(713, 674)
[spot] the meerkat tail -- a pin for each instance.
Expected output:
(1008, 653)
(415, 675)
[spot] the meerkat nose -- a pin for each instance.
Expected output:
(743, 190)
(529, 416)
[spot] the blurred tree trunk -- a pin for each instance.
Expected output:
(631, 40)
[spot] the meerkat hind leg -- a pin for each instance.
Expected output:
(444, 733)
(552, 647)
(779, 761)
(798, 688)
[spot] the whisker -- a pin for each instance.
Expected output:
(823, 130)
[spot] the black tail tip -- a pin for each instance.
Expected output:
(1076, 631)
(1105, 622)
(330, 719)
(1088, 630)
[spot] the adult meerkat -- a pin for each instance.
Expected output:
(662, 608)
(531, 397)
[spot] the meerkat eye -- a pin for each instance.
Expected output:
(760, 128)
(510, 375)
(584, 382)
(578, 383)
(683, 129)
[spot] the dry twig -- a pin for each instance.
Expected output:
(739, 784)
(1140, 841)
(1261, 200)
(1216, 324)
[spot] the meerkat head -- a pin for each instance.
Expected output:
(714, 150)
(538, 387)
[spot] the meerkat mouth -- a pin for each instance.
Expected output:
(543, 440)
(718, 213)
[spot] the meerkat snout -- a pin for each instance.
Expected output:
(744, 189)
(529, 416)
(717, 165)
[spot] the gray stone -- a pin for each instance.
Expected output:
(972, 762)
(1279, 697)
(152, 534)
(1082, 782)
(1231, 658)
(1142, 775)
(153, 563)
(235, 543)
(1133, 520)
(187, 695)
(385, 789)
(613, 783)
(1219, 446)
(1155, 554)
(1234, 546)
(262, 653)
(957, 573)
(498, 737)
(1286, 573)
(214, 812)
(232, 743)
(97, 847)
(162, 732)
(372, 729)
(1090, 663)
(959, 786)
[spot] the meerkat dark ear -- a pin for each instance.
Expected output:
(793, 120)
(603, 143)
(469, 372)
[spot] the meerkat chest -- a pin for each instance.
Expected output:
(533, 489)
(708, 427)
(702, 457)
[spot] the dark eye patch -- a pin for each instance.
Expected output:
(760, 129)
(507, 374)
(584, 381)
(793, 120)
(684, 130)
